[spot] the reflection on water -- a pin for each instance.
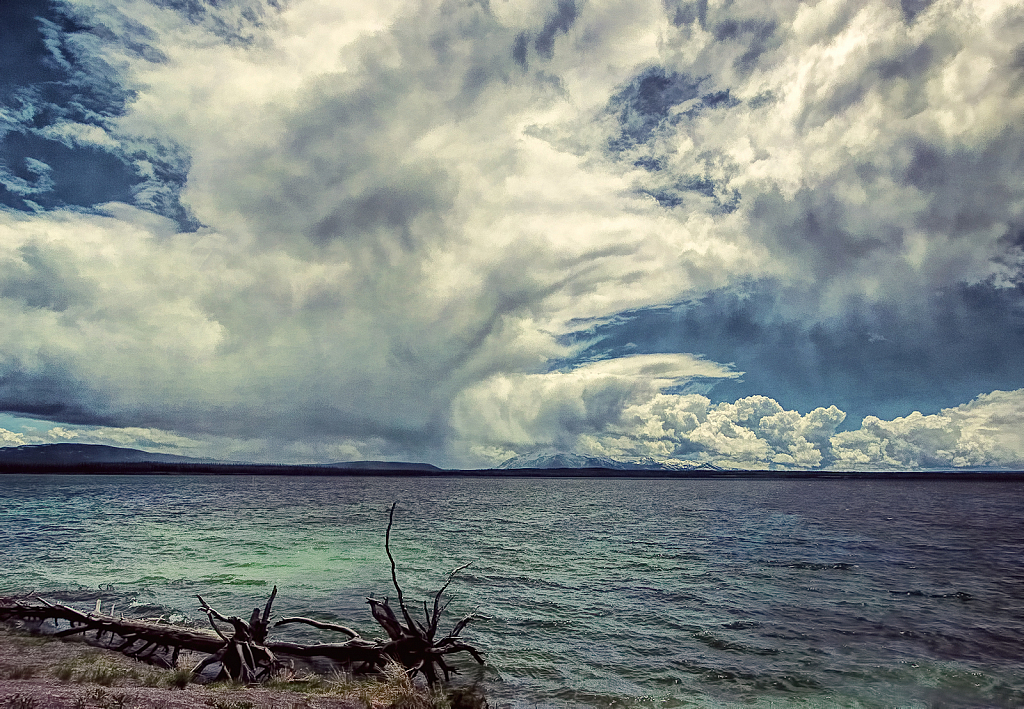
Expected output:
(598, 592)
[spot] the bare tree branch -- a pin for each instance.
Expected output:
(318, 624)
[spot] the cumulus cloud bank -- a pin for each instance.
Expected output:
(315, 231)
(598, 415)
(622, 409)
(983, 433)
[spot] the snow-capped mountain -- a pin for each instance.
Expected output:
(548, 461)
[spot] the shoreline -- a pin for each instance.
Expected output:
(39, 671)
(157, 468)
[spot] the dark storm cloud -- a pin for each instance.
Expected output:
(816, 224)
(520, 49)
(59, 98)
(408, 209)
(560, 22)
(43, 277)
(754, 28)
(966, 195)
(757, 36)
(337, 178)
(912, 8)
(234, 21)
(48, 390)
(968, 186)
(686, 13)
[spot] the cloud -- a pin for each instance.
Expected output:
(866, 153)
(981, 434)
(620, 410)
(629, 416)
(353, 228)
(559, 23)
(39, 183)
(64, 81)
(875, 359)
(10, 438)
(223, 448)
(74, 134)
(354, 275)
(624, 408)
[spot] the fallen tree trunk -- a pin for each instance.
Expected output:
(156, 643)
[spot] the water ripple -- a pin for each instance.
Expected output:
(605, 593)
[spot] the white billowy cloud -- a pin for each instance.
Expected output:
(622, 409)
(11, 438)
(983, 433)
(591, 413)
(624, 412)
(407, 206)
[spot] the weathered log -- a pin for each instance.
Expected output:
(365, 653)
(121, 633)
(319, 624)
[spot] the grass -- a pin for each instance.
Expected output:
(218, 704)
(81, 664)
(98, 667)
(21, 672)
(100, 698)
(393, 690)
(179, 677)
(103, 671)
(20, 702)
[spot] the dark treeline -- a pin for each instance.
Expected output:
(204, 468)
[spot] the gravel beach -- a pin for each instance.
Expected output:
(37, 672)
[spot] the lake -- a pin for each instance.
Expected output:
(598, 593)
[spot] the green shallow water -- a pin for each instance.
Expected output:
(605, 593)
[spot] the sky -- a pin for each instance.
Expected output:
(759, 234)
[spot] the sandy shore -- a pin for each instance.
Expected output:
(40, 673)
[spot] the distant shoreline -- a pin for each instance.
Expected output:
(235, 469)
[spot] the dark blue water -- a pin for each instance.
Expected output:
(605, 593)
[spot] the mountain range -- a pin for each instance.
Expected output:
(88, 453)
(551, 461)
(93, 458)
(81, 453)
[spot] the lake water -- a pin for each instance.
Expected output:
(603, 593)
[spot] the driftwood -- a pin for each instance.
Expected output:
(245, 656)
(414, 644)
(150, 641)
(244, 652)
